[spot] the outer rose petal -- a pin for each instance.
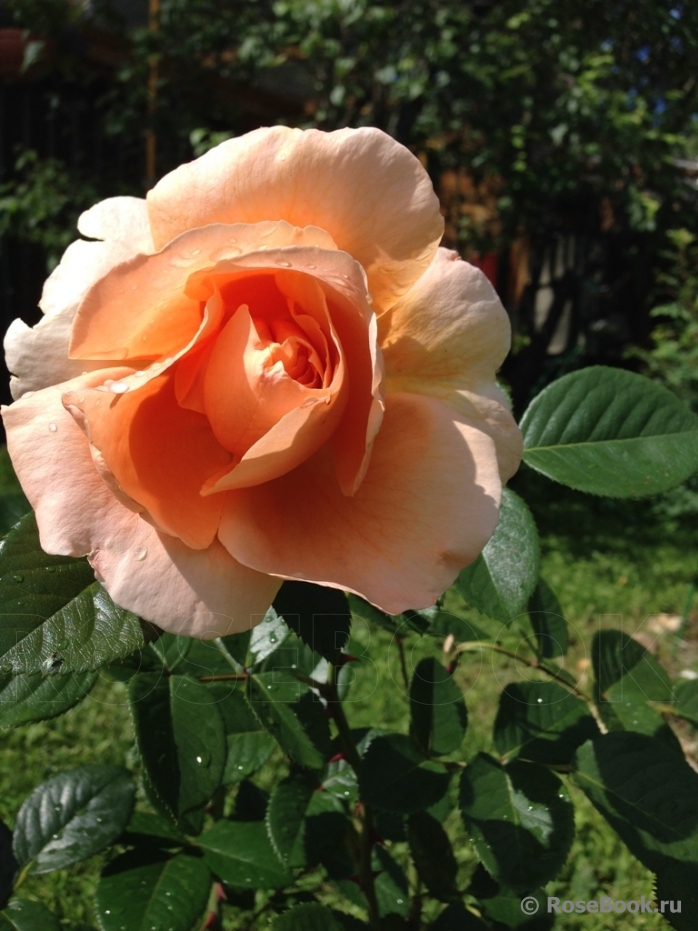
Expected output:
(450, 325)
(124, 219)
(159, 454)
(202, 593)
(370, 193)
(427, 506)
(38, 356)
(446, 338)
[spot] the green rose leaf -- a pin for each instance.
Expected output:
(396, 776)
(146, 825)
(433, 855)
(249, 743)
(320, 616)
(309, 916)
(36, 697)
(181, 739)
(147, 888)
(503, 577)
(437, 710)
(240, 854)
(457, 918)
(21, 915)
(547, 622)
(72, 816)
(288, 807)
(647, 792)
(542, 722)
(678, 882)
(627, 678)
(503, 906)
(54, 616)
(392, 894)
(267, 636)
(611, 432)
(293, 715)
(686, 694)
(13, 503)
(519, 819)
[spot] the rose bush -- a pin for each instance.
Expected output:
(266, 370)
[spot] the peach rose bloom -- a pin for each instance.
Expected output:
(266, 370)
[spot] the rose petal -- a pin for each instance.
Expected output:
(141, 311)
(262, 415)
(124, 219)
(38, 356)
(195, 592)
(159, 454)
(370, 193)
(427, 506)
(450, 325)
(446, 338)
(341, 280)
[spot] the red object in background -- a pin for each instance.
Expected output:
(488, 263)
(12, 45)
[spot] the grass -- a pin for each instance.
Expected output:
(610, 563)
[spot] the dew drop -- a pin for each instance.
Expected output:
(98, 820)
(52, 427)
(196, 252)
(540, 701)
(283, 264)
(199, 760)
(118, 387)
(282, 158)
(50, 568)
(399, 901)
(232, 239)
(345, 276)
(107, 911)
(141, 553)
(311, 266)
(239, 767)
(18, 577)
(141, 373)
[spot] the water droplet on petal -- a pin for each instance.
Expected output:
(52, 427)
(311, 266)
(232, 239)
(283, 264)
(141, 553)
(118, 387)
